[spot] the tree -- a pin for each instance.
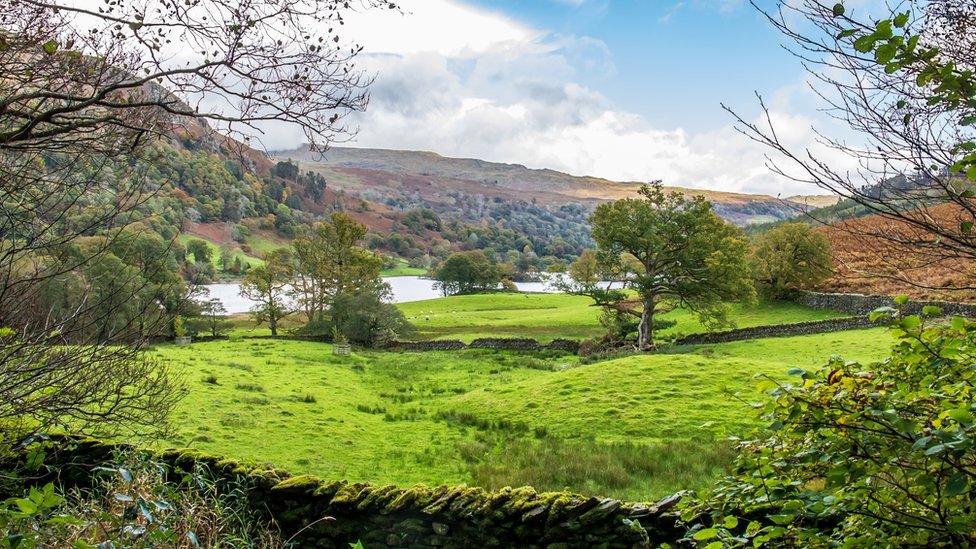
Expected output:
(214, 315)
(593, 276)
(71, 68)
(902, 80)
(685, 255)
(329, 262)
(267, 286)
(200, 251)
(363, 317)
(790, 257)
(85, 96)
(467, 272)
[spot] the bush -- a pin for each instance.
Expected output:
(361, 318)
(790, 257)
(859, 455)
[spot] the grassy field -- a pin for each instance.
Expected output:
(403, 268)
(635, 427)
(549, 316)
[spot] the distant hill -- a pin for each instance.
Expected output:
(815, 200)
(425, 179)
(872, 265)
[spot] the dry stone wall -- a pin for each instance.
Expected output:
(496, 343)
(860, 304)
(416, 517)
(778, 330)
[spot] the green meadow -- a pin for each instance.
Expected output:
(550, 316)
(403, 269)
(635, 427)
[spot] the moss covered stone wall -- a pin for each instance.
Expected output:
(332, 514)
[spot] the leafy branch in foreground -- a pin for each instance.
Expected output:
(860, 454)
(901, 84)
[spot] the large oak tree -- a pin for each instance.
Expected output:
(687, 255)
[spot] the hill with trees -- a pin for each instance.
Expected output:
(418, 207)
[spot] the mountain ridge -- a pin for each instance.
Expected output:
(363, 171)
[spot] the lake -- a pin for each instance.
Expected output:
(405, 288)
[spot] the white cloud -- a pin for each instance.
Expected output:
(466, 82)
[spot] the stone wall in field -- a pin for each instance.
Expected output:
(496, 343)
(861, 304)
(778, 330)
(421, 516)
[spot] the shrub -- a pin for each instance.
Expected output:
(859, 455)
(361, 318)
(790, 257)
(132, 505)
(467, 272)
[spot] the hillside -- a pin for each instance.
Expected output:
(815, 200)
(871, 265)
(413, 178)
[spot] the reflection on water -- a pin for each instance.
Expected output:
(405, 288)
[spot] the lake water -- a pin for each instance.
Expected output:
(405, 288)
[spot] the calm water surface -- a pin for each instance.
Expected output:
(405, 288)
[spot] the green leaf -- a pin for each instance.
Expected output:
(966, 227)
(962, 415)
(839, 9)
(706, 534)
(911, 322)
(901, 299)
(885, 53)
(796, 372)
(921, 443)
(901, 20)
(26, 506)
(730, 522)
(931, 310)
(50, 47)
(864, 44)
(957, 484)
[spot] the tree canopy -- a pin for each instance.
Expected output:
(685, 255)
(790, 257)
(267, 286)
(467, 272)
(330, 262)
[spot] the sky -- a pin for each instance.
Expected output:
(628, 90)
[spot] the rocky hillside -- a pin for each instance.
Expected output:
(411, 179)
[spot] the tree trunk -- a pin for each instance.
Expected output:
(645, 330)
(273, 322)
